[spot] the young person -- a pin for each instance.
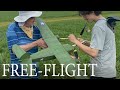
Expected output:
(102, 46)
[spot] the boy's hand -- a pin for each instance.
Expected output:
(72, 38)
(87, 43)
(80, 39)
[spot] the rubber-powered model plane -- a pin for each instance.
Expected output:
(55, 50)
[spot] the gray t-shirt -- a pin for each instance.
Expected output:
(103, 39)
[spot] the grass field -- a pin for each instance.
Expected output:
(62, 23)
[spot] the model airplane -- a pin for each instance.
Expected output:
(55, 50)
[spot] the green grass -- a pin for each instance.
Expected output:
(62, 23)
(6, 16)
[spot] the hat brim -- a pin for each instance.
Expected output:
(25, 18)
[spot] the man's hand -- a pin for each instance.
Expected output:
(41, 43)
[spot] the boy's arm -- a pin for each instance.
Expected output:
(86, 49)
(90, 51)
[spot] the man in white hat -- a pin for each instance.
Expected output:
(24, 33)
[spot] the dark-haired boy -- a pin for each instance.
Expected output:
(102, 47)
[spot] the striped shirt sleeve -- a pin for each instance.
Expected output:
(11, 38)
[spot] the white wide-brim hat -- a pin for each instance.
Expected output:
(25, 15)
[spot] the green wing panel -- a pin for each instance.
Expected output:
(43, 54)
(46, 54)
